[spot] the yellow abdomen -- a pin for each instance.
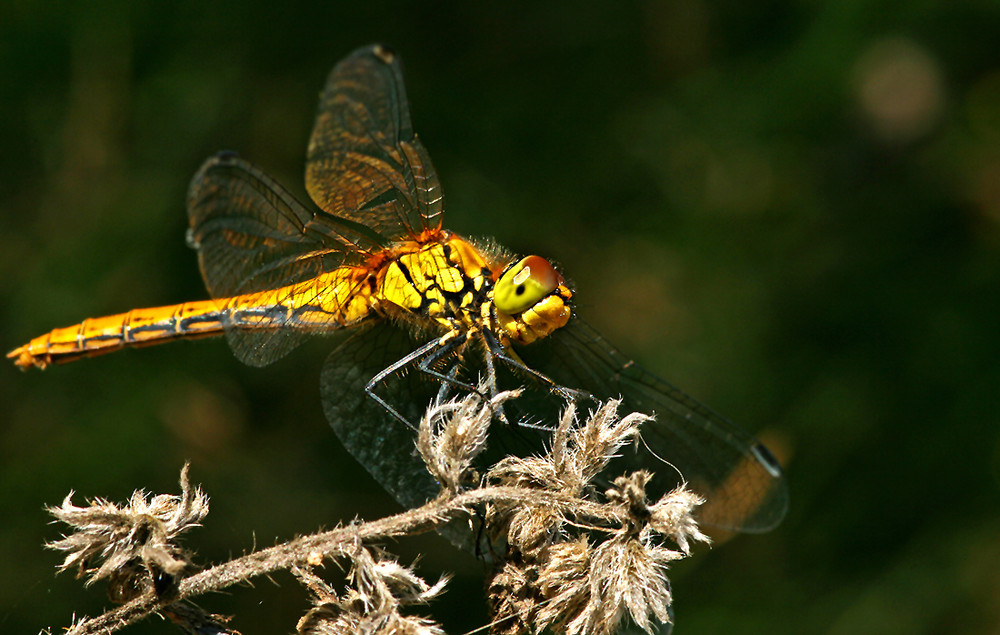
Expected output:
(428, 280)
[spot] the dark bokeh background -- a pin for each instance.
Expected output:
(790, 209)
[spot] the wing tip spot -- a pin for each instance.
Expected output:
(384, 53)
(768, 460)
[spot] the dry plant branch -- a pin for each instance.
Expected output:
(570, 559)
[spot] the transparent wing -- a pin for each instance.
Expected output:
(741, 481)
(382, 444)
(253, 236)
(364, 161)
(738, 476)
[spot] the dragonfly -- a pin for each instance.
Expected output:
(421, 311)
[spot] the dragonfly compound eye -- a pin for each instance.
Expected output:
(525, 284)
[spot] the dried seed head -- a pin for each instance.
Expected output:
(332, 620)
(453, 433)
(579, 574)
(381, 588)
(579, 451)
(564, 582)
(133, 545)
(626, 576)
(597, 442)
(514, 598)
(673, 516)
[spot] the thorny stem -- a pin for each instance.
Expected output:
(428, 517)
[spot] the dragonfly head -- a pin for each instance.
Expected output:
(531, 300)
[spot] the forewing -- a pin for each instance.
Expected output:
(740, 479)
(252, 235)
(364, 161)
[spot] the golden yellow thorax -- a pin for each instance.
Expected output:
(438, 279)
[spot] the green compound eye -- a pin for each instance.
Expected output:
(524, 284)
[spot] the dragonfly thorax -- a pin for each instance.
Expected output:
(450, 282)
(444, 280)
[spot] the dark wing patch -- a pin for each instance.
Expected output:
(252, 235)
(364, 161)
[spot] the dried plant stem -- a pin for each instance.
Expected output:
(314, 547)
(568, 557)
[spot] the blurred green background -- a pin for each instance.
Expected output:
(789, 209)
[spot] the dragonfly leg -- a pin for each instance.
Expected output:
(446, 348)
(394, 368)
(424, 356)
(449, 380)
(498, 351)
(491, 380)
(444, 392)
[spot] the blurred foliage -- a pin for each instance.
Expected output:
(789, 209)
